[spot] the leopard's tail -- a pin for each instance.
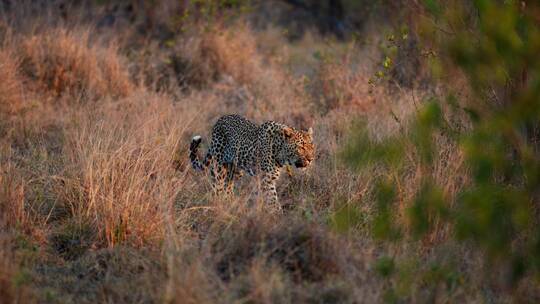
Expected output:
(196, 163)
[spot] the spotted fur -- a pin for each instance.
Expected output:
(238, 145)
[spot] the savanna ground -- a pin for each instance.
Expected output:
(98, 203)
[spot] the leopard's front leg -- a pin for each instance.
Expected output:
(269, 181)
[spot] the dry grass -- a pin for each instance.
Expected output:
(228, 61)
(95, 179)
(11, 100)
(123, 180)
(345, 88)
(68, 62)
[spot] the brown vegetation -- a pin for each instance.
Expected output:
(98, 202)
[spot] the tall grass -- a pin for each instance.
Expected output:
(65, 62)
(11, 89)
(123, 179)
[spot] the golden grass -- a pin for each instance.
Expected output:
(252, 85)
(346, 88)
(11, 96)
(62, 61)
(12, 198)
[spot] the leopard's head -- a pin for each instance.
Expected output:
(298, 148)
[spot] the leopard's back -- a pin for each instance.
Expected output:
(234, 141)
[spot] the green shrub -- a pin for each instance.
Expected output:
(495, 45)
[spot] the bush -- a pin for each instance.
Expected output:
(496, 48)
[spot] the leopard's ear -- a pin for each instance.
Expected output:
(310, 131)
(288, 131)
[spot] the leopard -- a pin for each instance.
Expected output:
(239, 146)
